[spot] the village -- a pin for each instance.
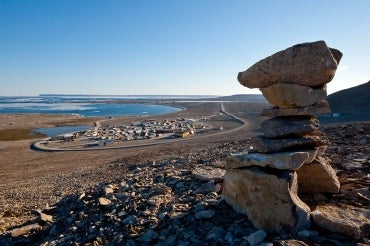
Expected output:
(137, 130)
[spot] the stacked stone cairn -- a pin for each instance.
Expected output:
(263, 183)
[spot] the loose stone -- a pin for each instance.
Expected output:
(205, 214)
(208, 174)
(350, 222)
(104, 201)
(129, 220)
(256, 237)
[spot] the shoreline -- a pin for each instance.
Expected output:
(26, 130)
(17, 158)
(41, 145)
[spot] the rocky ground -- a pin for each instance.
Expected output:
(176, 200)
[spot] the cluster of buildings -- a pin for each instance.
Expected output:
(147, 129)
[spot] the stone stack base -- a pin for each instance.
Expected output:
(269, 201)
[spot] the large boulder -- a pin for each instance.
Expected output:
(318, 177)
(283, 160)
(317, 109)
(348, 221)
(289, 126)
(269, 201)
(308, 64)
(293, 96)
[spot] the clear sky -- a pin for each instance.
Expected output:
(168, 46)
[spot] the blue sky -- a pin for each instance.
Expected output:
(168, 47)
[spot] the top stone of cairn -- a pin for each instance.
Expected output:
(308, 64)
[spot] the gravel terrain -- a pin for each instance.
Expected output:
(164, 195)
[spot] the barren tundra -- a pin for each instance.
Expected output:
(161, 194)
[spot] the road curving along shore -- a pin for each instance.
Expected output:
(40, 145)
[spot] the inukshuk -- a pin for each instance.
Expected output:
(264, 184)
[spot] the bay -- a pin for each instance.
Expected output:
(84, 106)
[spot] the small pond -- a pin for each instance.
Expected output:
(60, 130)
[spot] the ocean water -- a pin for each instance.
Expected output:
(88, 106)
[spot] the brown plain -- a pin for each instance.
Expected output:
(30, 179)
(19, 163)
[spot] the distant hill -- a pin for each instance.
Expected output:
(352, 104)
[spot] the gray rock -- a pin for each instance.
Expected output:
(290, 242)
(363, 141)
(205, 188)
(205, 214)
(104, 201)
(171, 240)
(256, 237)
(157, 200)
(54, 230)
(160, 189)
(149, 236)
(266, 145)
(209, 173)
(131, 243)
(188, 233)
(315, 153)
(177, 215)
(308, 64)
(351, 222)
(289, 126)
(283, 160)
(269, 201)
(124, 186)
(317, 109)
(217, 233)
(91, 236)
(5, 241)
(318, 177)
(108, 190)
(352, 165)
(25, 230)
(92, 229)
(129, 220)
(229, 237)
(304, 233)
(293, 96)
(46, 217)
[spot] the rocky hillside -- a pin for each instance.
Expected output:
(352, 104)
(177, 201)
